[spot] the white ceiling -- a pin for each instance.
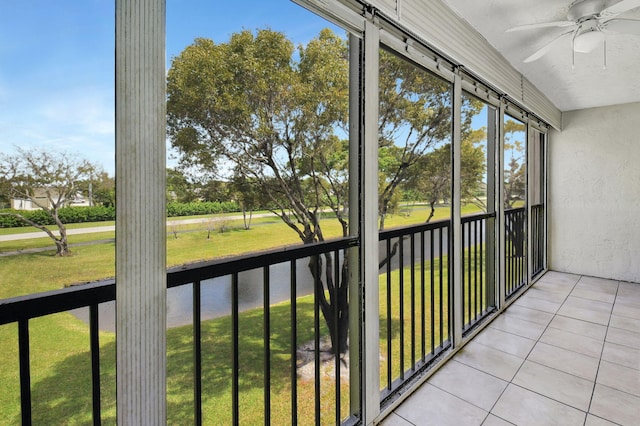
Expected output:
(587, 84)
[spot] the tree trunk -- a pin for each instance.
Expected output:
(432, 212)
(247, 221)
(332, 298)
(62, 247)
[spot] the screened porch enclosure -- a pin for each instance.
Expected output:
(342, 329)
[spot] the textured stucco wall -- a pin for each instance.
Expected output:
(594, 193)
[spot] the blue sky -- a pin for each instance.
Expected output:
(57, 63)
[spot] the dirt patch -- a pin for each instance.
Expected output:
(305, 361)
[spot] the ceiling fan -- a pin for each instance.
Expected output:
(589, 21)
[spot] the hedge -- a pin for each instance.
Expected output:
(101, 214)
(200, 208)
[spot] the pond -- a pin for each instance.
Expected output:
(216, 292)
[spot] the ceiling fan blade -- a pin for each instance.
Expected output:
(541, 25)
(624, 26)
(620, 7)
(547, 47)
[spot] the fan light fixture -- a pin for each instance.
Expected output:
(588, 21)
(587, 41)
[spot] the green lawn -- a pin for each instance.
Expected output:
(26, 229)
(61, 365)
(36, 272)
(59, 343)
(420, 324)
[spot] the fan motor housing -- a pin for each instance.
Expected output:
(585, 9)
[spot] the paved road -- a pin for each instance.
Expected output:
(107, 228)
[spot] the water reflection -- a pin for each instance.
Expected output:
(216, 295)
(216, 292)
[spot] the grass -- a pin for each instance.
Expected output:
(61, 358)
(27, 229)
(36, 272)
(60, 364)
(414, 314)
(45, 242)
(60, 372)
(59, 343)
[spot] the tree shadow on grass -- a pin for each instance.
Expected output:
(217, 366)
(64, 397)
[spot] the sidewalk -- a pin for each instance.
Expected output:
(111, 228)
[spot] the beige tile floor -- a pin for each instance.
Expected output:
(566, 353)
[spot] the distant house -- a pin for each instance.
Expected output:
(40, 199)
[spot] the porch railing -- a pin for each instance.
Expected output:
(306, 334)
(515, 250)
(478, 281)
(20, 310)
(414, 302)
(271, 334)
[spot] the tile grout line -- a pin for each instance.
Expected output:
(489, 412)
(527, 357)
(595, 380)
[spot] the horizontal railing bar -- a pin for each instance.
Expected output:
(83, 295)
(412, 229)
(420, 366)
(187, 274)
(79, 296)
(55, 301)
(475, 217)
(514, 210)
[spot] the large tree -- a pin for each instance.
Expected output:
(277, 116)
(414, 128)
(179, 188)
(431, 178)
(50, 180)
(274, 113)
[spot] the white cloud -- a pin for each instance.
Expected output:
(80, 120)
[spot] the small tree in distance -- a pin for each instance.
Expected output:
(50, 180)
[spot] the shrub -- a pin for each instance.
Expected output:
(101, 213)
(201, 208)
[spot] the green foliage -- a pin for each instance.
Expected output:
(101, 213)
(515, 178)
(66, 215)
(270, 113)
(201, 208)
(178, 187)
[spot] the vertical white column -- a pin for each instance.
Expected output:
(369, 226)
(355, 305)
(530, 193)
(140, 212)
(493, 197)
(455, 255)
(500, 213)
(545, 200)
